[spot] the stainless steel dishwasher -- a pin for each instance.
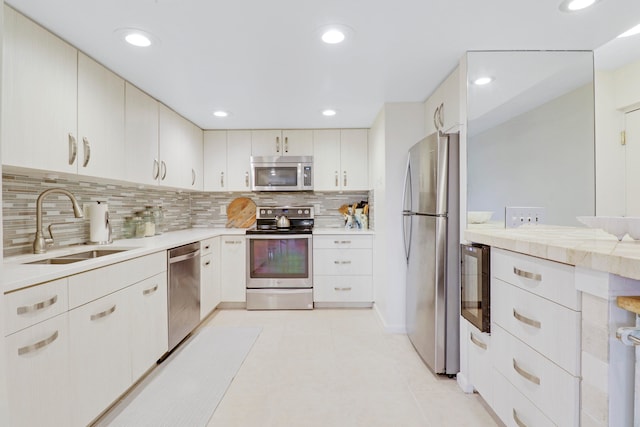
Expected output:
(184, 291)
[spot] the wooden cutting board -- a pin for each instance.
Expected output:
(241, 213)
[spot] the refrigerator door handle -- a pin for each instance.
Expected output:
(406, 211)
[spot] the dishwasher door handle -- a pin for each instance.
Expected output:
(184, 257)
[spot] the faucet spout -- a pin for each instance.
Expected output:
(40, 242)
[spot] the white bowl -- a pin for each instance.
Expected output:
(633, 227)
(478, 217)
(616, 225)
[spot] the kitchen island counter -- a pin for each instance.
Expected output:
(588, 248)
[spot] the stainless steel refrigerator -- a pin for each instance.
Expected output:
(431, 238)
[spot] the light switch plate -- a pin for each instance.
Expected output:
(515, 216)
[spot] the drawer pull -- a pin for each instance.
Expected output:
(343, 289)
(342, 242)
(103, 313)
(40, 344)
(207, 247)
(38, 306)
(207, 263)
(148, 291)
(232, 242)
(342, 262)
(526, 375)
(477, 342)
(527, 275)
(517, 419)
(526, 320)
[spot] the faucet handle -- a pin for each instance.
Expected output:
(49, 240)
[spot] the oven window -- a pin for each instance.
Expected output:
(280, 176)
(279, 258)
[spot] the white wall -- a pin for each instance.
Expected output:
(397, 127)
(616, 93)
(547, 151)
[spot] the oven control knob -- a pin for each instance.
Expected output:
(299, 211)
(269, 211)
(306, 211)
(262, 211)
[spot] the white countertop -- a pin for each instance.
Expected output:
(589, 248)
(16, 274)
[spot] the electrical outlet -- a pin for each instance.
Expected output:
(223, 209)
(516, 216)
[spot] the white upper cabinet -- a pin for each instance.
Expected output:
(180, 151)
(238, 160)
(443, 106)
(215, 160)
(142, 164)
(340, 160)
(39, 97)
(100, 120)
(298, 142)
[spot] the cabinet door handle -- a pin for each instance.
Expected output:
(156, 169)
(246, 179)
(526, 320)
(524, 374)
(527, 275)
(193, 177)
(476, 341)
(517, 419)
(73, 149)
(222, 179)
(147, 291)
(286, 144)
(337, 178)
(207, 247)
(344, 181)
(343, 289)
(342, 262)
(207, 263)
(37, 346)
(103, 313)
(38, 306)
(163, 169)
(277, 144)
(441, 116)
(435, 118)
(87, 151)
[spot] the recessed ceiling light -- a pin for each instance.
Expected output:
(333, 36)
(632, 32)
(136, 37)
(576, 5)
(221, 113)
(481, 81)
(335, 33)
(329, 112)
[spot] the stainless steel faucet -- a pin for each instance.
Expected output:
(40, 242)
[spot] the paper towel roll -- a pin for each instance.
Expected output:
(98, 223)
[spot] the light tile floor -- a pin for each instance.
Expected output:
(337, 368)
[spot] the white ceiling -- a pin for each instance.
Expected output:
(263, 60)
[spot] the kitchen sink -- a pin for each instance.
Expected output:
(81, 256)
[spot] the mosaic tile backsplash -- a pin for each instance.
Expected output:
(182, 210)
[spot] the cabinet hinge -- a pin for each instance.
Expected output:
(623, 138)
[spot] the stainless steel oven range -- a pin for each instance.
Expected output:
(280, 260)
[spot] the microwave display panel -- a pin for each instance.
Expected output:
(276, 176)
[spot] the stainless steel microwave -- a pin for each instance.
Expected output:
(282, 173)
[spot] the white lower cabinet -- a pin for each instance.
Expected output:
(480, 353)
(233, 268)
(528, 370)
(100, 355)
(149, 324)
(342, 269)
(38, 374)
(513, 408)
(209, 276)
